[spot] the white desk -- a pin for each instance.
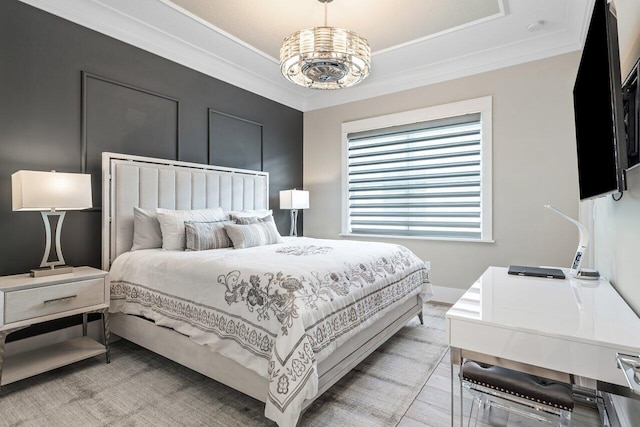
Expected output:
(546, 327)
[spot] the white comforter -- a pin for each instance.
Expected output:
(277, 309)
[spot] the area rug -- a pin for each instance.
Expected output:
(140, 388)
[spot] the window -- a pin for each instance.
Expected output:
(420, 174)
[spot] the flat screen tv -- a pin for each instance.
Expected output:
(597, 97)
(631, 105)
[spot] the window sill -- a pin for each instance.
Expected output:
(387, 236)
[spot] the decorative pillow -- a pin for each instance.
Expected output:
(244, 220)
(250, 235)
(172, 224)
(259, 213)
(201, 236)
(146, 230)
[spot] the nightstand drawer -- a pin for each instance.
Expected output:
(32, 303)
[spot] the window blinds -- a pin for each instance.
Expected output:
(422, 179)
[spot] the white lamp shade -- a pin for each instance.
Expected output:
(40, 191)
(294, 199)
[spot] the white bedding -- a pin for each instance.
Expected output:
(276, 309)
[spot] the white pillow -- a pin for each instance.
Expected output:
(172, 224)
(146, 230)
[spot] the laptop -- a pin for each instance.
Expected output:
(551, 273)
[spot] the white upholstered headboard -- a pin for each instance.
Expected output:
(148, 183)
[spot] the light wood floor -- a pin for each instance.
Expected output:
(432, 406)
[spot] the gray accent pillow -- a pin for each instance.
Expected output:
(244, 220)
(201, 236)
(172, 224)
(146, 229)
(258, 213)
(250, 235)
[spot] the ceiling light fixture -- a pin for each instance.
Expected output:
(325, 57)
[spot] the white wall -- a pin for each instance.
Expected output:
(617, 224)
(534, 162)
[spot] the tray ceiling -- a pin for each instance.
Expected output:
(385, 23)
(423, 42)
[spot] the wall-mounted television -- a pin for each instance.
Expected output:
(597, 97)
(631, 105)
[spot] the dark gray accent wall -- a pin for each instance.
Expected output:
(236, 139)
(121, 118)
(42, 58)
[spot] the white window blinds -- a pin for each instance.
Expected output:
(422, 179)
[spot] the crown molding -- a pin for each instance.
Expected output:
(455, 68)
(225, 64)
(164, 29)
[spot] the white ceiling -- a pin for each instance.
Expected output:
(420, 43)
(264, 24)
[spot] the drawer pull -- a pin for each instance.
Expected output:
(630, 366)
(63, 299)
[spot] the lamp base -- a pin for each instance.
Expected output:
(48, 271)
(294, 223)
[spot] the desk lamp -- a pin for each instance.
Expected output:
(50, 193)
(582, 247)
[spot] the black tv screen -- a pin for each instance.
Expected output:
(597, 97)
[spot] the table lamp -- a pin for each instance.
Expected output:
(294, 200)
(50, 193)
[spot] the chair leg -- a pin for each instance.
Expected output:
(481, 403)
(481, 406)
(473, 405)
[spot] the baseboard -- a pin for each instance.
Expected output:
(446, 295)
(94, 330)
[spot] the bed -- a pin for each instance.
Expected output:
(280, 323)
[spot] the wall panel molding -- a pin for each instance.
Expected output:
(234, 141)
(125, 121)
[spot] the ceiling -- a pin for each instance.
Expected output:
(423, 42)
(264, 24)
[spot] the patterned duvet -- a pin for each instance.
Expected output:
(277, 309)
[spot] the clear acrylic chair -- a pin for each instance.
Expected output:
(533, 397)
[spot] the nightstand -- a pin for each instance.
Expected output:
(25, 300)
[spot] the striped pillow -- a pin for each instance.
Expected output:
(260, 213)
(201, 236)
(245, 220)
(250, 235)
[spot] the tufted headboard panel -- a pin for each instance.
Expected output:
(148, 183)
